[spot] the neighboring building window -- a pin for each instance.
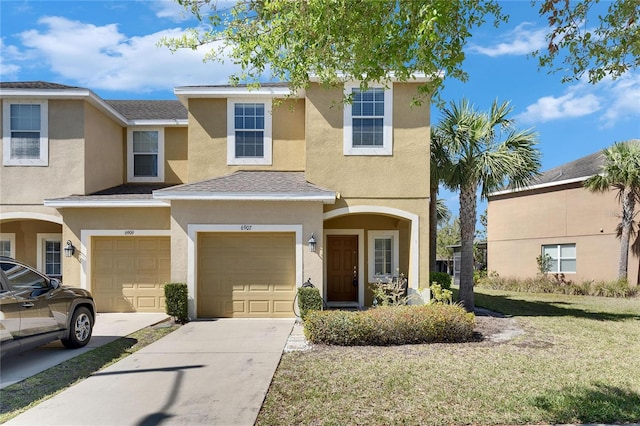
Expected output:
(368, 128)
(563, 257)
(8, 245)
(50, 254)
(145, 155)
(383, 254)
(25, 133)
(249, 132)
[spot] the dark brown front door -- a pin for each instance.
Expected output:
(342, 268)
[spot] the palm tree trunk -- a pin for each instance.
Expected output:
(628, 206)
(433, 227)
(467, 232)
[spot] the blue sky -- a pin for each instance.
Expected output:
(111, 48)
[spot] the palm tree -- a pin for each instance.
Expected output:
(437, 171)
(485, 153)
(621, 172)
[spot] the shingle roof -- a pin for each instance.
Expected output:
(34, 85)
(120, 192)
(581, 168)
(250, 185)
(149, 110)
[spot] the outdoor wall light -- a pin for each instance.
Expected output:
(69, 249)
(312, 243)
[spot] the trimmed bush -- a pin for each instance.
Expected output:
(176, 297)
(442, 278)
(309, 299)
(391, 325)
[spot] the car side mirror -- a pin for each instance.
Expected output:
(55, 283)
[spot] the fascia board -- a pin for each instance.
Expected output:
(159, 123)
(105, 203)
(241, 196)
(540, 186)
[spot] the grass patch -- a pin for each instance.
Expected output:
(576, 363)
(19, 397)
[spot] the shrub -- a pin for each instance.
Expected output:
(442, 278)
(479, 275)
(176, 300)
(391, 325)
(393, 292)
(309, 299)
(440, 295)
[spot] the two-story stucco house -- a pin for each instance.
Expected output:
(557, 216)
(242, 194)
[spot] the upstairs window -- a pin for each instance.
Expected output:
(25, 133)
(367, 121)
(145, 155)
(248, 132)
(563, 258)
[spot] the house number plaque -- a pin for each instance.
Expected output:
(129, 232)
(245, 227)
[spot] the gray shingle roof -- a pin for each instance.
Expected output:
(149, 109)
(120, 192)
(34, 85)
(581, 168)
(249, 184)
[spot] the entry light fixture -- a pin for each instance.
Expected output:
(312, 243)
(69, 249)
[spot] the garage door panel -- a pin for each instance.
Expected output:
(128, 273)
(246, 275)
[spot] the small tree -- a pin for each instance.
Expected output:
(544, 263)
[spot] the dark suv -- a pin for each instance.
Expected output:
(36, 309)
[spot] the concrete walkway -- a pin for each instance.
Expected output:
(108, 327)
(205, 373)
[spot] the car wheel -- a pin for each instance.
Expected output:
(80, 329)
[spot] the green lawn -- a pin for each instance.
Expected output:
(578, 362)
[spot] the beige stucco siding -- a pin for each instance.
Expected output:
(405, 174)
(518, 226)
(208, 138)
(176, 154)
(66, 159)
(184, 213)
(26, 236)
(103, 145)
(77, 220)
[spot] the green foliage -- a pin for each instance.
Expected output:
(544, 263)
(440, 295)
(309, 299)
(391, 325)
(441, 278)
(392, 292)
(337, 39)
(586, 39)
(448, 235)
(478, 275)
(176, 300)
(557, 283)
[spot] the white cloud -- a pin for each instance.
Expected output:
(519, 41)
(8, 69)
(617, 100)
(102, 57)
(169, 9)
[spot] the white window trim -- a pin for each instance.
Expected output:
(6, 133)
(267, 159)
(387, 144)
(559, 258)
(395, 261)
(130, 165)
(12, 243)
(41, 239)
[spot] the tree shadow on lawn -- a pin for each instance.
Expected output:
(517, 307)
(599, 403)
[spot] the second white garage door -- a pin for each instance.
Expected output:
(246, 275)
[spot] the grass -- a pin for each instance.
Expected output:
(576, 363)
(19, 397)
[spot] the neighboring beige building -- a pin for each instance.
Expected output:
(559, 217)
(224, 189)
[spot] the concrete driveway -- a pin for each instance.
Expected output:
(108, 327)
(206, 373)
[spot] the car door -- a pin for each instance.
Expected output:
(9, 313)
(31, 291)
